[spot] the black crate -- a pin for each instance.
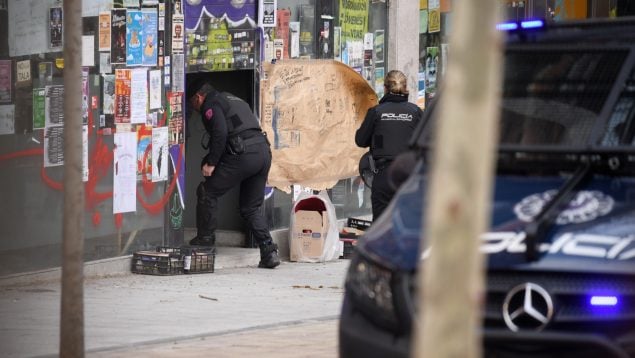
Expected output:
(201, 259)
(157, 263)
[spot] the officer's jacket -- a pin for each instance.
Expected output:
(223, 116)
(388, 126)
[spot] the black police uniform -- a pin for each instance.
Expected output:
(386, 130)
(241, 154)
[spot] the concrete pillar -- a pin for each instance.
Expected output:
(403, 41)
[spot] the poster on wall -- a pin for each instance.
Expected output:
(7, 119)
(39, 107)
(122, 95)
(108, 95)
(23, 73)
(434, 16)
(105, 66)
(267, 13)
(85, 153)
(88, 51)
(159, 154)
(178, 73)
(379, 47)
(294, 29)
(175, 120)
(138, 95)
(353, 19)
(5, 81)
(282, 29)
(432, 63)
(56, 26)
(124, 190)
(53, 146)
(150, 37)
(337, 43)
(85, 95)
(54, 104)
(134, 33)
(154, 94)
(177, 34)
(118, 36)
(144, 153)
(221, 36)
(104, 31)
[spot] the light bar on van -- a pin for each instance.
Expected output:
(532, 24)
(507, 26)
(605, 301)
(525, 25)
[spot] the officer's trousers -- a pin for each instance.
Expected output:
(249, 170)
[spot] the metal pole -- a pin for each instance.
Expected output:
(72, 310)
(451, 278)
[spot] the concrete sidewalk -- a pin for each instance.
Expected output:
(123, 310)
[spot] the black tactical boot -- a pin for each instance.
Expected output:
(209, 241)
(269, 256)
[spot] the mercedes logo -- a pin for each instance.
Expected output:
(527, 307)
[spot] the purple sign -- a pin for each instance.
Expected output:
(235, 10)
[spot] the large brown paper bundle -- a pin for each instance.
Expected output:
(310, 112)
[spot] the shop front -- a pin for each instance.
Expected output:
(137, 56)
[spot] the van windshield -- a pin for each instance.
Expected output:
(562, 101)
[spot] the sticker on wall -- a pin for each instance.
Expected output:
(56, 26)
(586, 206)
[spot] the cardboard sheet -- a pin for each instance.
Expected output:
(310, 112)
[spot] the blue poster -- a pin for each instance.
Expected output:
(134, 36)
(178, 158)
(150, 27)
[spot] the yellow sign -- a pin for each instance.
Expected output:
(59, 63)
(434, 20)
(353, 19)
(423, 4)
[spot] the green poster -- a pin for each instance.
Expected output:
(353, 19)
(38, 107)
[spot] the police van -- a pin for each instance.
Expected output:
(561, 242)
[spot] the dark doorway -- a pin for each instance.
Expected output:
(240, 84)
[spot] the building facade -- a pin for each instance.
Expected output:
(140, 140)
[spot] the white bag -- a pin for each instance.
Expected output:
(313, 230)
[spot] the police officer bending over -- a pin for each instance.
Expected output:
(238, 154)
(386, 130)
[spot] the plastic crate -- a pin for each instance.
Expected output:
(157, 263)
(201, 259)
(174, 260)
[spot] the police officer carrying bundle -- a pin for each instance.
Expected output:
(238, 154)
(386, 130)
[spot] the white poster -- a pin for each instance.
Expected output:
(155, 89)
(159, 154)
(294, 28)
(267, 13)
(178, 73)
(138, 95)
(88, 51)
(124, 196)
(53, 146)
(85, 153)
(7, 119)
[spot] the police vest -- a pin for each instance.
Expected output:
(394, 124)
(237, 113)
